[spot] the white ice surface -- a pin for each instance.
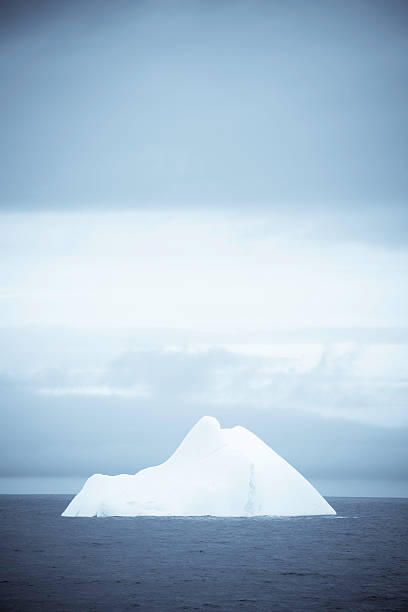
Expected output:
(214, 471)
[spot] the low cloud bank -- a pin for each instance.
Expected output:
(325, 409)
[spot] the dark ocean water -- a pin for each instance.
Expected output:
(355, 561)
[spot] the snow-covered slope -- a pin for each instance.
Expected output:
(214, 471)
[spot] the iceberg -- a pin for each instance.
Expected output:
(214, 471)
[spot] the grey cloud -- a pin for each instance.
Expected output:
(300, 415)
(176, 373)
(333, 387)
(289, 106)
(66, 436)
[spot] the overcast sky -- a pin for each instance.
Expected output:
(203, 210)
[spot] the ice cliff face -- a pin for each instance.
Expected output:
(214, 471)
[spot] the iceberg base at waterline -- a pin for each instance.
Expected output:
(214, 472)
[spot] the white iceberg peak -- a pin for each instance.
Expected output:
(214, 471)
